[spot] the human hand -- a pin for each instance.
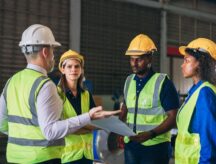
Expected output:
(141, 137)
(98, 113)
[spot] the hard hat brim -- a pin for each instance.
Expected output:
(75, 57)
(182, 50)
(55, 44)
(135, 53)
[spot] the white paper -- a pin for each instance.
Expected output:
(113, 124)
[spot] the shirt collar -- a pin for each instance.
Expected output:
(146, 78)
(194, 87)
(37, 68)
(79, 90)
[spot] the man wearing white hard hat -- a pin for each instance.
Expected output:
(30, 108)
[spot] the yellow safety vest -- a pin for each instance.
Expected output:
(187, 146)
(26, 143)
(150, 113)
(76, 146)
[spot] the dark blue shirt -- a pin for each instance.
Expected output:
(76, 100)
(168, 96)
(203, 122)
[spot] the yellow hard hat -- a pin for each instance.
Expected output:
(201, 44)
(70, 54)
(140, 45)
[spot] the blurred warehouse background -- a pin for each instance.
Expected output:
(101, 30)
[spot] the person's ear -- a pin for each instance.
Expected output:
(63, 71)
(45, 52)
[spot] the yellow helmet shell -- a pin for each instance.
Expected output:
(70, 54)
(201, 43)
(141, 45)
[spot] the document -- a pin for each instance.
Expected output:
(113, 124)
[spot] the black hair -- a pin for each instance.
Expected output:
(207, 65)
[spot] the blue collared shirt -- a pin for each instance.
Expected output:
(203, 122)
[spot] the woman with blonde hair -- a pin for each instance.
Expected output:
(77, 100)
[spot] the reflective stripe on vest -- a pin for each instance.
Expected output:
(76, 146)
(31, 122)
(30, 142)
(187, 146)
(26, 143)
(150, 113)
(34, 120)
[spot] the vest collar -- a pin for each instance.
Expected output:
(194, 87)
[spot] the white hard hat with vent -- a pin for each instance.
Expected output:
(38, 34)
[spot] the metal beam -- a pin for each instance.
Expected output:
(200, 15)
(75, 25)
(164, 60)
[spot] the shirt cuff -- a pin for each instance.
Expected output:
(84, 119)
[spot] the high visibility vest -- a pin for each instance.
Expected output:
(76, 146)
(187, 146)
(26, 143)
(150, 113)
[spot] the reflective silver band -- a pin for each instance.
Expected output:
(34, 120)
(142, 127)
(31, 142)
(156, 96)
(5, 92)
(148, 111)
(32, 99)
(127, 83)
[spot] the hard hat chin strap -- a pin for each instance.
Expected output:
(30, 49)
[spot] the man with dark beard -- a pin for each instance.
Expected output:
(150, 106)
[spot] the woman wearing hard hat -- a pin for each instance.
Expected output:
(78, 146)
(196, 119)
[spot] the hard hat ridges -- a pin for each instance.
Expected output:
(70, 54)
(140, 45)
(201, 43)
(38, 34)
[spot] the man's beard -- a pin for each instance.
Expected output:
(140, 71)
(51, 65)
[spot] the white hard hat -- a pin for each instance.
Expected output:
(38, 34)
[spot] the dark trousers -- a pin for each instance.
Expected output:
(52, 161)
(81, 161)
(135, 153)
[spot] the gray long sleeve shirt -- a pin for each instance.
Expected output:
(49, 110)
